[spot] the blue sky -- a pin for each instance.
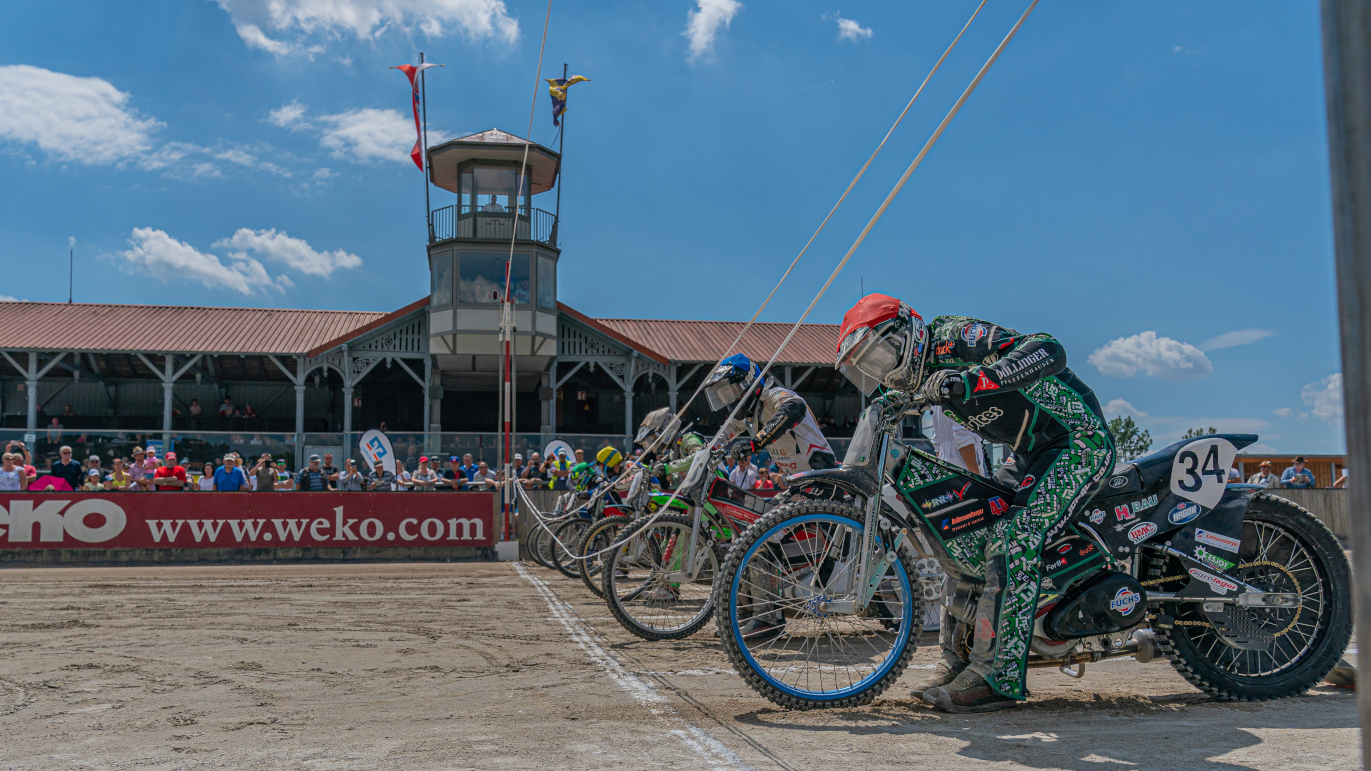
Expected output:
(1148, 182)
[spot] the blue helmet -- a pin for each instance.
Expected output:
(725, 384)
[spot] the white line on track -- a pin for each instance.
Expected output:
(709, 749)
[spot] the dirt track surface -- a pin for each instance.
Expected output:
(490, 665)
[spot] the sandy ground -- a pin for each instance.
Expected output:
(493, 665)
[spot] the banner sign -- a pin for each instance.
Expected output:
(159, 520)
(375, 447)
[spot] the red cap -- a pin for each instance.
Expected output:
(171, 456)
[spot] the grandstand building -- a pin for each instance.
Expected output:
(429, 370)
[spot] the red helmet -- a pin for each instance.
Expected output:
(882, 342)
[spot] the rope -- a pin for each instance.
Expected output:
(839, 203)
(985, 68)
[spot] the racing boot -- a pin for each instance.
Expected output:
(968, 693)
(946, 671)
(952, 664)
(759, 628)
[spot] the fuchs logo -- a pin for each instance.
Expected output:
(1124, 601)
(1123, 513)
(978, 422)
(1097, 516)
(53, 523)
(1142, 532)
(998, 506)
(1217, 541)
(1220, 585)
(1183, 513)
(1209, 558)
(984, 383)
(1118, 482)
(1027, 482)
(974, 333)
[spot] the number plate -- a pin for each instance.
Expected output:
(1199, 472)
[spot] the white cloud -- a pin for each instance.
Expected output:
(293, 23)
(851, 30)
(1283, 412)
(1325, 397)
(71, 119)
(1258, 449)
(295, 252)
(703, 25)
(157, 254)
(361, 135)
(1120, 407)
(368, 134)
(71, 242)
(291, 116)
(1159, 357)
(4, 298)
(1235, 338)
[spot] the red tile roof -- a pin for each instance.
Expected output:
(171, 328)
(707, 340)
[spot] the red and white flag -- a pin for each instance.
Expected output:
(410, 71)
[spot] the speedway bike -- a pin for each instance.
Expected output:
(1245, 593)
(659, 582)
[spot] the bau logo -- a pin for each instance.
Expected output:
(1124, 601)
(53, 522)
(1183, 513)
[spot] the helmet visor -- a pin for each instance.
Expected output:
(644, 434)
(723, 393)
(868, 358)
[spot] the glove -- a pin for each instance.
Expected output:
(658, 471)
(943, 385)
(741, 447)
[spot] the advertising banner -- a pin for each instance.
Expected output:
(244, 520)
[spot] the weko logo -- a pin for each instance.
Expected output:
(56, 519)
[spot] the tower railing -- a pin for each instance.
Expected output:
(481, 223)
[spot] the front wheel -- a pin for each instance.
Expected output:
(565, 539)
(656, 585)
(785, 613)
(596, 541)
(1283, 549)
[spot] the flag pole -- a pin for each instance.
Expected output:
(423, 109)
(71, 272)
(561, 142)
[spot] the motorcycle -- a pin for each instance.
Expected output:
(659, 583)
(1245, 593)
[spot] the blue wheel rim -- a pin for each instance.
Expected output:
(901, 639)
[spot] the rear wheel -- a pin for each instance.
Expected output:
(598, 538)
(651, 584)
(1284, 549)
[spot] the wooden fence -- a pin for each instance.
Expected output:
(1329, 505)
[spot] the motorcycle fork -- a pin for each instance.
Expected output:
(873, 507)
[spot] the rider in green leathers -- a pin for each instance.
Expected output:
(1012, 388)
